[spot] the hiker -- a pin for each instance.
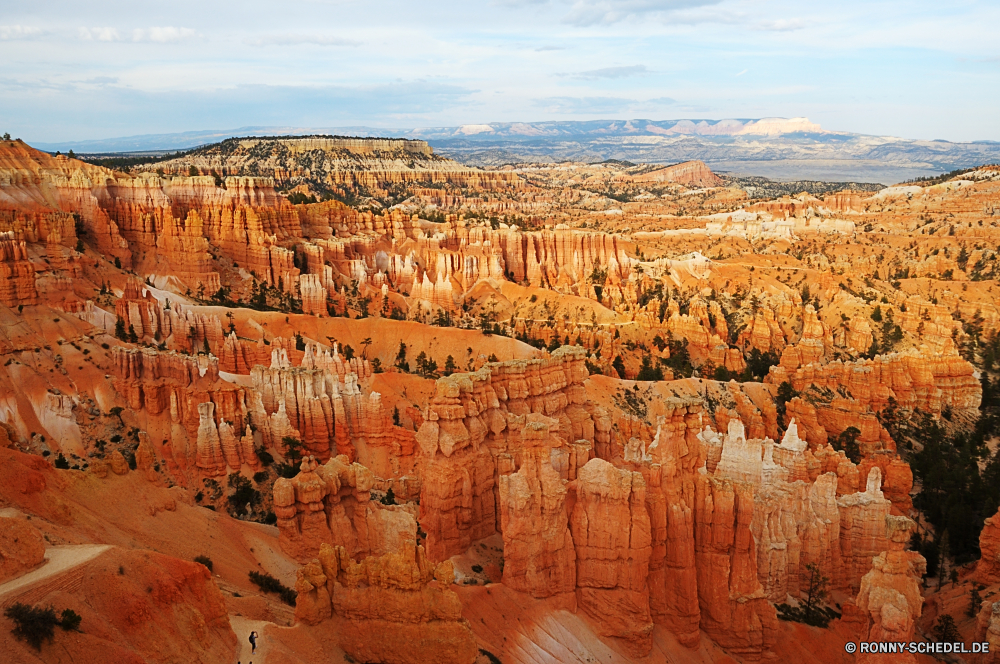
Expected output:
(253, 642)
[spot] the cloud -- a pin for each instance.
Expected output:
(742, 72)
(99, 34)
(574, 105)
(100, 80)
(32, 85)
(78, 111)
(12, 32)
(163, 35)
(661, 101)
(781, 25)
(550, 48)
(593, 12)
(611, 72)
(297, 39)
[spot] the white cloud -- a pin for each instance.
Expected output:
(611, 72)
(742, 72)
(575, 105)
(591, 12)
(297, 39)
(164, 35)
(99, 34)
(11, 32)
(782, 25)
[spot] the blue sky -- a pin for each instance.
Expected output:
(77, 71)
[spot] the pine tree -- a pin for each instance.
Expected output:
(816, 592)
(945, 630)
(943, 560)
(975, 601)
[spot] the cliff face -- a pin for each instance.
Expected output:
(17, 274)
(331, 503)
(690, 173)
(326, 410)
(477, 429)
(889, 599)
(539, 557)
(915, 379)
(657, 533)
(204, 414)
(373, 164)
(988, 567)
(401, 596)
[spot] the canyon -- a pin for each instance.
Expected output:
(383, 406)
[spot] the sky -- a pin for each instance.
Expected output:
(81, 71)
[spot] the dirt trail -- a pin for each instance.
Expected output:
(58, 559)
(243, 626)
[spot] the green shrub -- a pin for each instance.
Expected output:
(287, 470)
(32, 624)
(265, 457)
(70, 620)
(204, 560)
(61, 462)
(269, 584)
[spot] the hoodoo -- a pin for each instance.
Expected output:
(373, 404)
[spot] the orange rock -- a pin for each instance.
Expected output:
(21, 547)
(611, 536)
(475, 430)
(693, 173)
(401, 596)
(862, 529)
(331, 504)
(539, 557)
(890, 594)
(988, 631)
(118, 464)
(17, 274)
(735, 612)
(675, 456)
(160, 589)
(988, 567)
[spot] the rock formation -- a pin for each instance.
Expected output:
(611, 536)
(889, 597)
(475, 430)
(17, 274)
(988, 567)
(988, 631)
(400, 596)
(331, 503)
(539, 558)
(862, 529)
(691, 173)
(21, 547)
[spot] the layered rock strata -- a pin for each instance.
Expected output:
(476, 430)
(331, 503)
(400, 596)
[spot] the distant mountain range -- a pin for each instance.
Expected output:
(778, 148)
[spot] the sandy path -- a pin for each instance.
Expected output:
(57, 559)
(243, 626)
